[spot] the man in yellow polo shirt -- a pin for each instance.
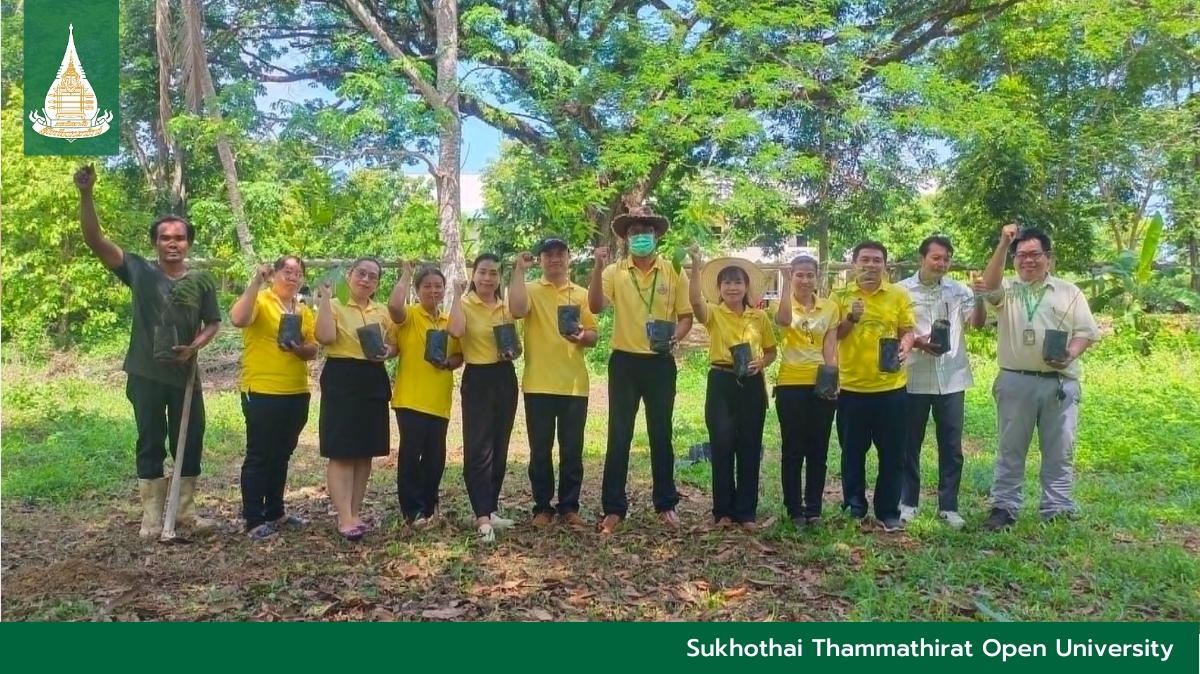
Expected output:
(874, 337)
(652, 315)
(559, 326)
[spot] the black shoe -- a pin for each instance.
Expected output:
(890, 524)
(999, 519)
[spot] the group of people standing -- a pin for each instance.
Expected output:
(877, 357)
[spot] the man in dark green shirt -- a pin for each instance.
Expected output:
(169, 300)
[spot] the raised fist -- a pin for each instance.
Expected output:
(601, 255)
(1009, 231)
(85, 178)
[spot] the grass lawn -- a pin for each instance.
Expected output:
(71, 550)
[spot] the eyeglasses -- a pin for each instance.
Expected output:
(1030, 256)
(367, 275)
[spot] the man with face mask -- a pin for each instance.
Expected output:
(1038, 386)
(652, 315)
(156, 388)
(939, 374)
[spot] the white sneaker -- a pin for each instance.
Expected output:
(486, 534)
(500, 523)
(907, 513)
(952, 518)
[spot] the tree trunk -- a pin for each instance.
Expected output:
(202, 94)
(442, 99)
(447, 176)
(164, 144)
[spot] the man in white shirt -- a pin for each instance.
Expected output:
(939, 373)
(1038, 385)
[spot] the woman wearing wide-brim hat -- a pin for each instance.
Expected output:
(724, 294)
(651, 315)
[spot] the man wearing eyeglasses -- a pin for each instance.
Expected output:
(1044, 326)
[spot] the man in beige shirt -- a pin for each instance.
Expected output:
(1044, 326)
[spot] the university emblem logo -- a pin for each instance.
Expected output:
(71, 110)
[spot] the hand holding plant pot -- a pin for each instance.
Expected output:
(568, 320)
(508, 346)
(939, 337)
(1054, 349)
(889, 354)
(661, 335)
(370, 338)
(181, 303)
(742, 357)
(437, 348)
(827, 382)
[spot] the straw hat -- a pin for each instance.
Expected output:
(623, 222)
(713, 269)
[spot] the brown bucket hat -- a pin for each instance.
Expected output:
(623, 222)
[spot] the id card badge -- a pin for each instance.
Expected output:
(649, 330)
(1030, 337)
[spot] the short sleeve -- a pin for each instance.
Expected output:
(455, 346)
(1082, 320)
(683, 306)
(209, 311)
(768, 331)
(606, 282)
(586, 318)
(905, 318)
(124, 271)
(841, 308)
(710, 321)
(1005, 290)
(966, 302)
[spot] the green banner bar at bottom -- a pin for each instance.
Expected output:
(1024, 648)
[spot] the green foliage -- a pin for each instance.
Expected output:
(54, 288)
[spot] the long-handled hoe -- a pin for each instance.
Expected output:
(168, 533)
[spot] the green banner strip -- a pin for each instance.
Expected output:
(973, 648)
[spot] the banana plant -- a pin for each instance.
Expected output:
(1125, 288)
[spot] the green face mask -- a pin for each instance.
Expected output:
(641, 245)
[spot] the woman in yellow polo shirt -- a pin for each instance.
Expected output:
(354, 425)
(741, 346)
(489, 388)
(274, 388)
(809, 330)
(422, 391)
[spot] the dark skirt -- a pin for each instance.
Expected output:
(355, 421)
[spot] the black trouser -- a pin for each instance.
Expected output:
(422, 462)
(157, 411)
(544, 414)
(863, 419)
(633, 378)
(805, 424)
(948, 425)
(735, 411)
(273, 425)
(489, 408)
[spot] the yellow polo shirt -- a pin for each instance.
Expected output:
(552, 364)
(725, 328)
(804, 340)
(479, 342)
(266, 368)
(419, 385)
(350, 317)
(637, 298)
(886, 312)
